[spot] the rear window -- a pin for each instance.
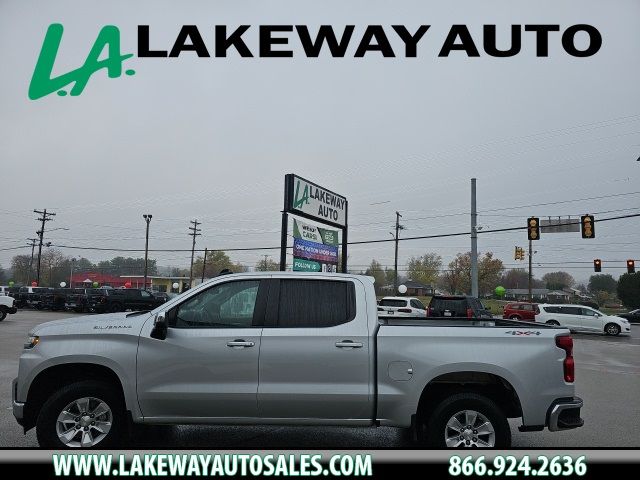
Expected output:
(315, 303)
(390, 302)
(457, 307)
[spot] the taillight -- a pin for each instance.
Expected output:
(469, 313)
(565, 342)
(429, 312)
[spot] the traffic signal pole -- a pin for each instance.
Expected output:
(530, 271)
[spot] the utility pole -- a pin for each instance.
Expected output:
(195, 231)
(530, 271)
(474, 241)
(33, 246)
(147, 218)
(44, 218)
(204, 265)
(395, 261)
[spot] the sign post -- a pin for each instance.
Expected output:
(309, 200)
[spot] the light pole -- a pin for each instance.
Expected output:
(147, 218)
(73, 262)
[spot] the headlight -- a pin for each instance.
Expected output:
(32, 341)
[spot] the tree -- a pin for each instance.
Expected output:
(216, 262)
(267, 265)
(519, 278)
(489, 273)
(457, 279)
(602, 283)
(425, 269)
(3, 276)
(20, 268)
(629, 290)
(50, 268)
(376, 271)
(558, 280)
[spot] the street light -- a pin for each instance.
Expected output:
(147, 218)
(73, 262)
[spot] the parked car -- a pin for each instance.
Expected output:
(4, 290)
(31, 297)
(521, 311)
(578, 318)
(633, 316)
(54, 299)
(7, 306)
(119, 300)
(247, 348)
(402, 306)
(164, 296)
(77, 299)
(457, 306)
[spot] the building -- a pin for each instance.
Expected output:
(157, 283)
(538, 295)
(414, 289)
(87, 279)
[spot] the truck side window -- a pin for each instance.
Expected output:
(227, 305)
(315, 303)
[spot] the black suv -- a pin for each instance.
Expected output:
(457, 306)
(119, 300)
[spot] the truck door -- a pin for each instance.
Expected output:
(315, 360)
(207, 367)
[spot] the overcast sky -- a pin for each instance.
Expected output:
(212, 138)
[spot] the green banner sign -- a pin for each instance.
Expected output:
(301, 265)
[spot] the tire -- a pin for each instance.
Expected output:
(3, 313)
(479, 411)
(612, 329)
(48, 425)
(515, 317)
(553, 322)
(116, 307)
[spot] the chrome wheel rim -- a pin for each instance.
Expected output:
(469, 428)
(612, 330)
(84, 423)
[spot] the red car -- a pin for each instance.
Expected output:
(521, 311)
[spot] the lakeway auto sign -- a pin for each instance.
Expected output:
(312, 201)
(315, 248)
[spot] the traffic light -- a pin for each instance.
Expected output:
(631, 266)
(597, 265)
(587, 226)
(533, 228)
(519, 253)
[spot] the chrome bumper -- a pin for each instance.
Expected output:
(564, 414)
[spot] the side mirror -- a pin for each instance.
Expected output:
(159, 331)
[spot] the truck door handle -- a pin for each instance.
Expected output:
(348, 344)
(239, 343)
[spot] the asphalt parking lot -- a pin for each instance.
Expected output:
(607, 378)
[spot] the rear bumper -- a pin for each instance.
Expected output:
(564, 414)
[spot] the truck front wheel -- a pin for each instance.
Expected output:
(86, 414)
(466, 420)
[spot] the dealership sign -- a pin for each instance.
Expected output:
(314, 249)
(315, 202)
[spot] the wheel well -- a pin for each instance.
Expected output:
(53, 378)
(492, 386)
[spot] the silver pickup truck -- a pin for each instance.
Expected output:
(294, 349)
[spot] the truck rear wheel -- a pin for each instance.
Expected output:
(3, 313)
(467, 420)
(86, 414)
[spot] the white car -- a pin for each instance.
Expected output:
(579, 318)
(402, 307)
(6, 306)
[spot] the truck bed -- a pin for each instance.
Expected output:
(390, 320)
